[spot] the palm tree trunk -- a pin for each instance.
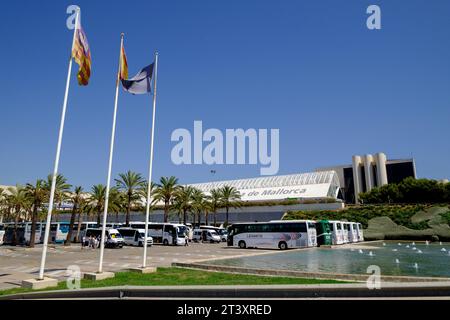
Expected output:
(14, 238)
(206, 217)
(226, 217)
(199, 218)
(184, 216)
(127, 219)
(166, 211)
(80, 220)
(72, 222)
(215, 218)
(33, 225)
(99, 212)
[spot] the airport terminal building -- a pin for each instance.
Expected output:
(303, 186)
(267, 198)
(369, 171)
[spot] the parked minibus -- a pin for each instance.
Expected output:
(208, 235)
(222, 232)
(337, 233)
(135, 237)
(113, 239)
(273, 234)
(165, 233)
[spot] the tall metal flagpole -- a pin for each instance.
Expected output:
(147, 212)
(58, 151)
(111, 151)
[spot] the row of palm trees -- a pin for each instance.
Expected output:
(30, 202)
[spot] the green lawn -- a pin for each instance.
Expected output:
(180, 276)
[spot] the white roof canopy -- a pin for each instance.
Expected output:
(305, 185)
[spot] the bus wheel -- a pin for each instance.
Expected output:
(282, 245)
(242, 244)
(166, 242)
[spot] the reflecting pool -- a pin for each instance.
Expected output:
(394, 258)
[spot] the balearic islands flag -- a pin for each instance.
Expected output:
(82, 55)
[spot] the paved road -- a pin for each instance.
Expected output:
(19, 263)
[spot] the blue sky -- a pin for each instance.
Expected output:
(309, 68)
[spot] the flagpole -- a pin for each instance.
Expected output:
(147, 213)
(58, 152)
(111, 151)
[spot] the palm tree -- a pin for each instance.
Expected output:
(230, 198)
(206, 209)
(183, 200)
(198, 199)
(97, 200)
(215, 201)
(117, 202)
(165, 192)
(130, 182)
(3, 202)
(143, 195)
(18, 201)
(37, 194)
(62, 188)
(77, 199)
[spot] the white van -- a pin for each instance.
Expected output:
(222, 232)
(206, 235)
(113, 237)
(337, 231)
(135, 237)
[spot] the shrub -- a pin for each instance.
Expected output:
(410, 190)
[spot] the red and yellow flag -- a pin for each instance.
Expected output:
(123, 74)
(82, 56)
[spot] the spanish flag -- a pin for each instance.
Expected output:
(82, 55)
(123, 74)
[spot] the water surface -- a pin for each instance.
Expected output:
(430, 259)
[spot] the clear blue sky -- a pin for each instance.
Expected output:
(310, 68)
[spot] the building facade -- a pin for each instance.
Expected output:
(369, 171)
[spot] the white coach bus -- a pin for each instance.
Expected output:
(273, 234)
